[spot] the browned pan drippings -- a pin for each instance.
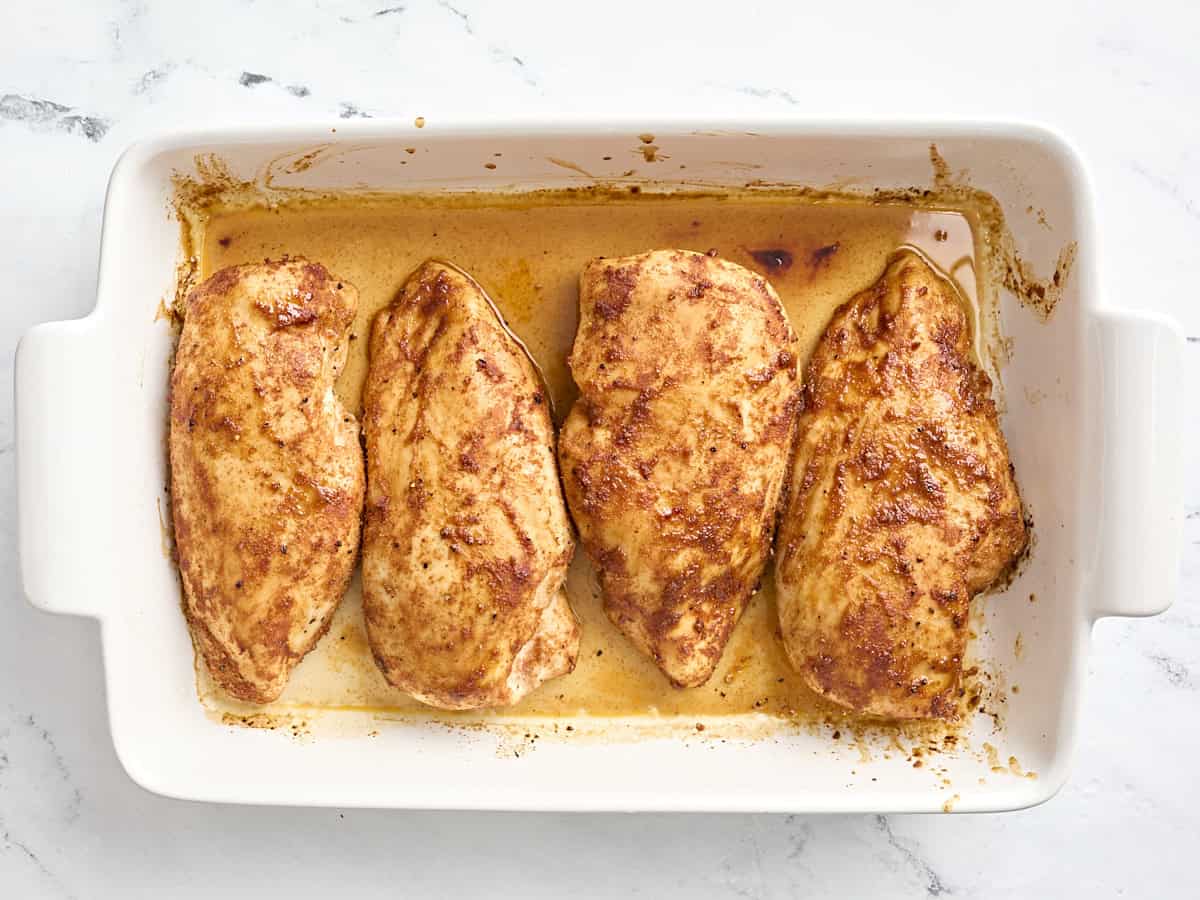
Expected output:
(527, 252)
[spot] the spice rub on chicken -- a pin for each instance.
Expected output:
(674, 455)
(266, 468)
(467, 540)
(902, 503)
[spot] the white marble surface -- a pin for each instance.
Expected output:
(79, 82)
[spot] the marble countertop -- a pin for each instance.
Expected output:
(79, 82)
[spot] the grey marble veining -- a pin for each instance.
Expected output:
(79, 82)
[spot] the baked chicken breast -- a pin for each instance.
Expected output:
(467, 539)
(674, 456)
(902, 501)
(266, 469)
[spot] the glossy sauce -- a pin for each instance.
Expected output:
(527, 252)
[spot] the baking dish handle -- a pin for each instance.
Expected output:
(64, 473)
(1136, 569)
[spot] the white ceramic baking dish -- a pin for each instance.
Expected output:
(1091, 401)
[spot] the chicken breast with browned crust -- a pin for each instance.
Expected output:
(467, 539)
(266, 468)
(675, 453)
(902, 500)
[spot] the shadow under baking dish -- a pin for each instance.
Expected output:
(527, 252)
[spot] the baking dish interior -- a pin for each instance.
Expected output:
(1033, 633)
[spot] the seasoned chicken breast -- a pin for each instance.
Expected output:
(902, 500)
(467, 538)
(674, 455)
(266, 469)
